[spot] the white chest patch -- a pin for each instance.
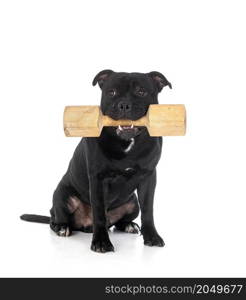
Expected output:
(130, 146)
(129, 169)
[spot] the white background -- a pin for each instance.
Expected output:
(49, 53)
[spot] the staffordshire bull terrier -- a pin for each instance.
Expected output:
(111, 177)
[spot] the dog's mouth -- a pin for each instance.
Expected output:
(127, 132)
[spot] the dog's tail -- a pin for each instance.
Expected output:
(35, 218)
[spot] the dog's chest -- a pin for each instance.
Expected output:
(129, 147)
(124, 171)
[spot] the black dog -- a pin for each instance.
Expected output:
(99, 187)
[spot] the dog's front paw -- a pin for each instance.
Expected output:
(101, 245)
(154, 241)
(152, 238)
(101, 242)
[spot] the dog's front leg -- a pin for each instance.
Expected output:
(146, 190)
(100, 241)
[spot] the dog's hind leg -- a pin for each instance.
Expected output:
(60, 215)
(131, 211)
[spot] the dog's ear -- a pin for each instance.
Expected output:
(101, 77)
(160, 80)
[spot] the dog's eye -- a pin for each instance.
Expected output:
(111, 93)
(140, 91)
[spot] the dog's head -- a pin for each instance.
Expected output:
(128, 96)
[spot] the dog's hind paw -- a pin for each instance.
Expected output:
(64, 231)
(130, 227)
(61, 230)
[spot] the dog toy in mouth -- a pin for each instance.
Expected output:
(160, 120)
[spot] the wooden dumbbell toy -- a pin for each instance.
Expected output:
(160, 120)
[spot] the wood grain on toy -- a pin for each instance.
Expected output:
(160, 120)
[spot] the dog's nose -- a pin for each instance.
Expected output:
(124, 106)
